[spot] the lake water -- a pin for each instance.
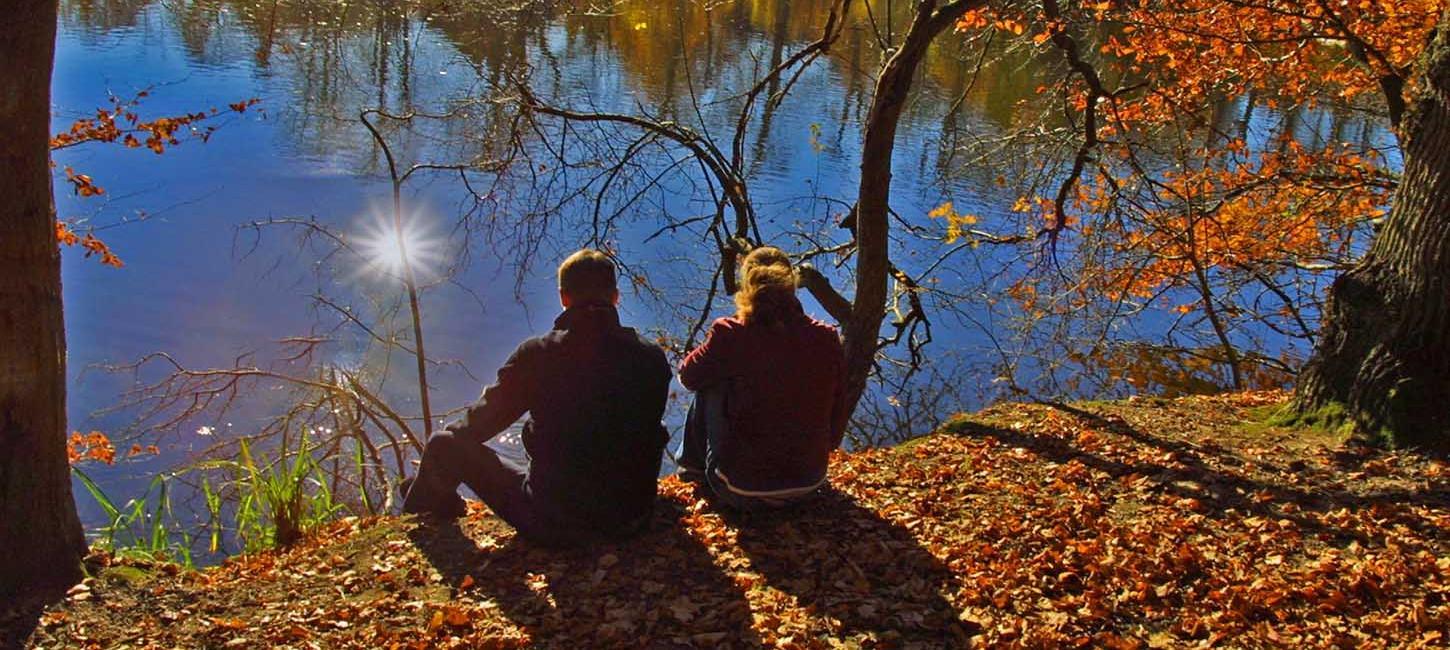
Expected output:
(205, 287)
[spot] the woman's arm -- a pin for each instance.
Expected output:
(708, 364)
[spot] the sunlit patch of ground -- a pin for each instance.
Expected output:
(1146, 523)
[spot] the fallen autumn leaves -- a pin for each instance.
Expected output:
(1148, 523)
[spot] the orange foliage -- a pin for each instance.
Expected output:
(1198, 50)
(1169, 372)
(1234, 212)
(92, 246)
(90, 446)
(1138, 524)
(1168, 200)
(97, 446)
(120, 123)
(138, 450)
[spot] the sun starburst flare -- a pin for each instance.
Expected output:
(377, 241)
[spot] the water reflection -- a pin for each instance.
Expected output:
(396, 54)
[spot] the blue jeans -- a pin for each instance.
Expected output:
(705, 426)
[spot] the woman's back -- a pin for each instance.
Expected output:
(783, 392)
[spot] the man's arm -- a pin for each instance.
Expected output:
(501, 404)
(660, 395)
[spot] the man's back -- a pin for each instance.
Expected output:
(597, 395)
(595, 392)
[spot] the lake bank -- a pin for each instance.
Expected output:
(1141, 523)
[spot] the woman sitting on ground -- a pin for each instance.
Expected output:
(769, 393)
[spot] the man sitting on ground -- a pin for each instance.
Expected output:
(595, 392)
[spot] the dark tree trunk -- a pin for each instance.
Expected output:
(41, 543)
(1384, 353)
(893, 88)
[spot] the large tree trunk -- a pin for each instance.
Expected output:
(41, 543)
(893, 88)
(1384, 354)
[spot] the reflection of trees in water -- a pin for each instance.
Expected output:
(102, 15)
(333, 58)
(340, 57)
(343, 56)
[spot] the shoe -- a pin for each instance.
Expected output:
(691, 474)
(449, 508)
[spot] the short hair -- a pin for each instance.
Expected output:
(588, 275)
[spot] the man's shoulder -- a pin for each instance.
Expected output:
(644, 354)
(645, 345)
(557, 339)
(539, 342)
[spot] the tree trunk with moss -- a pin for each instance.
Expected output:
(41, 543)
(1383, 357)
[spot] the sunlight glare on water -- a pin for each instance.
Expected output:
(377, 243)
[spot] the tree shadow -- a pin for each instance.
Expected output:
(1190, 474)
(658, 590)
(19, 619)
(20, 614)
(843, 561)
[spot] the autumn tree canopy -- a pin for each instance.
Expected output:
(1189, 170)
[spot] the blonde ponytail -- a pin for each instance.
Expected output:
(767, 288)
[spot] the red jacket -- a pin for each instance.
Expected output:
(785, 400)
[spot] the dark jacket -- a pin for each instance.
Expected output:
(784, 402)
(595, 392)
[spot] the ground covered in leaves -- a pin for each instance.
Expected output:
(1137, 524)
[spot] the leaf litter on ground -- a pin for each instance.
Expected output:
(1144, 523)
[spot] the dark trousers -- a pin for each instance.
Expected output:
(705, 425)
(501, 483)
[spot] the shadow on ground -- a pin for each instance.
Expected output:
(706, 578)
(868, 577)
(661, 589)
(19, 619)
(1224, 480)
